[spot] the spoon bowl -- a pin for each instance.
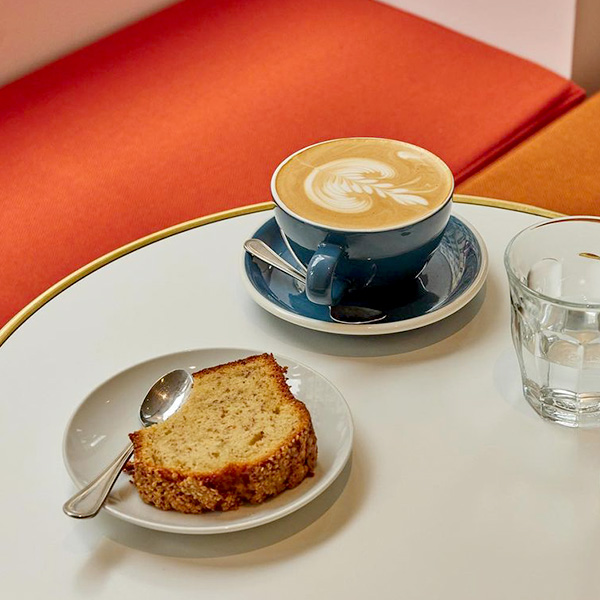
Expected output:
(163, 400)
(340, 313)
(165, 397)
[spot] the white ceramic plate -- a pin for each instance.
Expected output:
(98, 431)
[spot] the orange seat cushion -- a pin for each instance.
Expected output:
(558, 168)
(189, 112)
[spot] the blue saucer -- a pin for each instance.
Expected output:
(453, 276)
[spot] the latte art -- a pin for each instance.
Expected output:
(353, 184)
(363, 183)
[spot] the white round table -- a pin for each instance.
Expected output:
(456, 489)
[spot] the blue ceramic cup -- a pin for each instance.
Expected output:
(361, 214)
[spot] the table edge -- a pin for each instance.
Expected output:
(13, 324)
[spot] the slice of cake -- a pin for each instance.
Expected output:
(240, 437)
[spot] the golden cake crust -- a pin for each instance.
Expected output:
(254, 480)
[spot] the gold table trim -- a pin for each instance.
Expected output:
(69, 280)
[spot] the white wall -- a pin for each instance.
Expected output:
(539, 30)
(561, 35)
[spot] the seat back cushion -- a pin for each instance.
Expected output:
(558, 168)
(190, 110)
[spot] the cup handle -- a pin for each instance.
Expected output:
(322, 287)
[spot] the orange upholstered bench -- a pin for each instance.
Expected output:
(189, 112)
(558, 168)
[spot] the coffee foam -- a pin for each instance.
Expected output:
(363, 183)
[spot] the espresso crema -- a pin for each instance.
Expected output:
(363, 183)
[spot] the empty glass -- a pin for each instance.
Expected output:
(554, 275)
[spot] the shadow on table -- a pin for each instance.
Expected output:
(373, 345)
(346, 494)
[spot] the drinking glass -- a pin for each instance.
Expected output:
(554, 276)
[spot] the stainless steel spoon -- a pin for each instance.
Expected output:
(163, 399)
(341, 313)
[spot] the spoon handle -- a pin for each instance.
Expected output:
(88, 501)
(259, 249)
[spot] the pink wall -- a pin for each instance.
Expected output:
(35, 32)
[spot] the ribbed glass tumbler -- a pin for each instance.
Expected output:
(554, 276)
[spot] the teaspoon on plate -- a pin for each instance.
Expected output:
(341, 313)
(163, 399)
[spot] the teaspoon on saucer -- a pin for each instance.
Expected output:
(341, 313)
(163, 399)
